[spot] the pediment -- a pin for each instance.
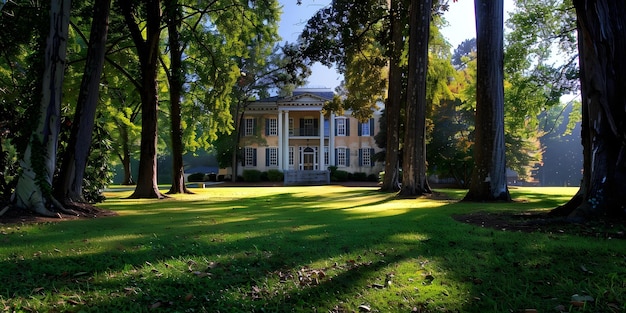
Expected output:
(304, 98)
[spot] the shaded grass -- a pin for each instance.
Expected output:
(307, 249)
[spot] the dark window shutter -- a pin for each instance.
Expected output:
(267, 156)
(360, 157)
(372, 151)
(254, 122)
(335, 130)
(372, 127)
(347, 127)
(267, 127)
(359, 129)
(253, 156)
(336, 157)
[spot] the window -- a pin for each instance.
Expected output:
(308, 127)
(271, 156)
(291, 161)
(341, 127)
(365, 157)
(326, 156)
(271, 127)
(249, 125)
(249, 156)
(367, 128)
(290, 127)
(326, 129)
(343, 157)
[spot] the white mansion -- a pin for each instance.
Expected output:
(292, 134)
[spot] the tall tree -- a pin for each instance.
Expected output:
(414, 178)
(173, 19)
(394, 102)
(136, 15)
(34, 187)
(488, 181)
(69, 183)
(601, 33)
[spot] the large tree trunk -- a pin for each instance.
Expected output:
(391, 180)
(148, 51)
(601, 33)
(488, 182)
(176, 85)
(34, 187)
(69, 184)
(414, 178)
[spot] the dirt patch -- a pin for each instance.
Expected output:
(613, 228)
(82, 212)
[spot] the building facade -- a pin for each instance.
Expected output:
(293, 134)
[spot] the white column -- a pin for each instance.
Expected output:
(321, 152)
(331, 139)
(281, 146)
(286, 141)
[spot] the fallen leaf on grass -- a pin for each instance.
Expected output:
(364, 308)
(201, 274)
(585, 270)
(577, 298)
(37, 290)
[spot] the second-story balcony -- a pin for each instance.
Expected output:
(307, 132)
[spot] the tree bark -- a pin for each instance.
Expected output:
(391, 180)
(176, 84)
(147, 51)
(601, 33)
(34, 187)
(414, 178)
(69, 185)
(488, 182)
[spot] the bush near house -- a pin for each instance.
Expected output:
(252, 176)
(340, 176)
(359, 176)
(275, 176)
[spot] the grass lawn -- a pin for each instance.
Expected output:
(307, 249)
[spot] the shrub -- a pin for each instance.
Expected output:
(372, 177)
(359, 176)
(275, 175)
(195, 177)
(252, 176)
(340, 176)
(264, 176)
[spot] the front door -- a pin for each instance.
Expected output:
(308, 161)
(308, 158)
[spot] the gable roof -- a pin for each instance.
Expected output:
(299, 97)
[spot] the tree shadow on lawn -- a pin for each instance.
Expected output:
(288, 252)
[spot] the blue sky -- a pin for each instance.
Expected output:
(460, 18)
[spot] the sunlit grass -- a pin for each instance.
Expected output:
(306, 249)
